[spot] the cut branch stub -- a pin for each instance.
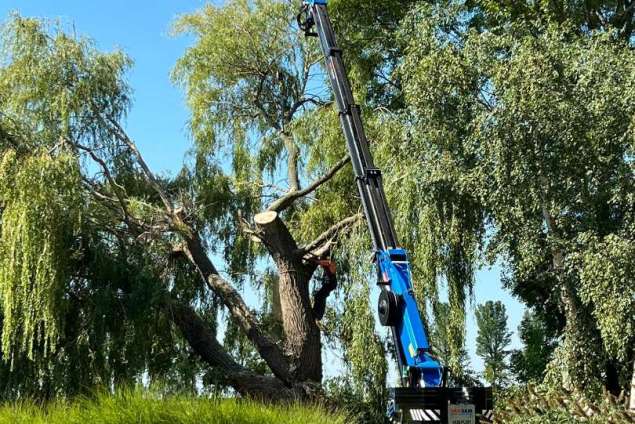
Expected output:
(275, 235)
(265, 218)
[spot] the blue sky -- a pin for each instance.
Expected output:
(158, 120)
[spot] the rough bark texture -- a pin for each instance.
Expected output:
(292, 161)
(204, 343)
(296, 366)
(240, 313)
(302, 335)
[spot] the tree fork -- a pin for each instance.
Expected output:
(240, 313)
(244, 381)
(302, 335)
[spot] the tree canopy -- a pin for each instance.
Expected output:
(492, 342)
(507, 131)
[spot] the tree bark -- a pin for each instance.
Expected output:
(287, 200)
(302, 335)
(244, 381)
(240, 313)
(293, 154)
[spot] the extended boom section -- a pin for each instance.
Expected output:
(423, 399)
(397, 303)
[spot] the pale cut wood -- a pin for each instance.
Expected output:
(264, 218)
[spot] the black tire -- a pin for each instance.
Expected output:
(388, 308)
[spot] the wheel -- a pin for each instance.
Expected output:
(388, 308)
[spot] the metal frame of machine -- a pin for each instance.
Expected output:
(423, 397)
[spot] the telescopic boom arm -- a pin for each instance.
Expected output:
(397, 306)
(424, 397)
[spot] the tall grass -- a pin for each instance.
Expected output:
(138, 407)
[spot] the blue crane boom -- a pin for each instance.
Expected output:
(397, 306)
(423, 397)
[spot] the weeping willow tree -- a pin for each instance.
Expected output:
(137, 291)
(41, 215)
(83, 302)
(438, 219)
(151, 264)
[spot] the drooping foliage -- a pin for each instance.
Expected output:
(259, 101)
(606, 287)
(41, 215)
(505, 132)
(52, 84)
(82, 300)
(443, 347)
(546, 169)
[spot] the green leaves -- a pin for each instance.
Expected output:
(246, 72)
(52, 85)
(492, 341)
(528, 125)
(529, 364)
(42, 209)
(606, 277)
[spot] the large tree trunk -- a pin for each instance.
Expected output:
(240, 313)
(302, 335)
(244, 381)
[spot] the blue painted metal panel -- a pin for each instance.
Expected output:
(315, 1)
(395, 268)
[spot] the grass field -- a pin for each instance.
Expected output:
(144, 408)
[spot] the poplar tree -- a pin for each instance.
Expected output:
(492, 342)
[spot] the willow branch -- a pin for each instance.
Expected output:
(204, 343)
(240, 313)
(324, 240)
(287, 200)
(150, 177)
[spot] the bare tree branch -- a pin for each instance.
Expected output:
(271, 353)
(123, 137)
(204, 343)
(118, 189)
(240, 313)
(118, 132)
(303, 101)
(320, 245)
(293, 155)
(285, 201)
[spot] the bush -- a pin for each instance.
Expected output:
(537, 405)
